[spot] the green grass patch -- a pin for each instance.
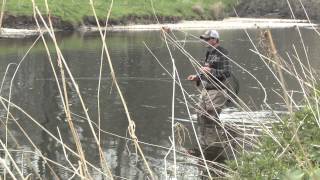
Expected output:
(298, 158)
(75, 10)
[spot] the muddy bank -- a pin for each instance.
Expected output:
(28, 22)
(279, 9)
(228, 23)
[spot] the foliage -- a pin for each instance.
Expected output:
(198, 9)
(217, 10)
(76, 10)
(298, 158)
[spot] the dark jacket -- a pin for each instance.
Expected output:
(216, 59)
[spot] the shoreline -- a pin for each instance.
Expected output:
(228, 23)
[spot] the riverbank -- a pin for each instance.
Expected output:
(71, 14)
(229, 23)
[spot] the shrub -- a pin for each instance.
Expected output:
(198, 9)
(217, 11)
(299, 135)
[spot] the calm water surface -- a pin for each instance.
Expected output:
(146, 87)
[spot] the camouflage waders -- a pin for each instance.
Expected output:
(211, 135)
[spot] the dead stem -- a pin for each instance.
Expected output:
(131, 126)
(2, 14)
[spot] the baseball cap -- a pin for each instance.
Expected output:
(210, 34)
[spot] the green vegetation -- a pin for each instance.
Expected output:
(75, 10)
(298, 158)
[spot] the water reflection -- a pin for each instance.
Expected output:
(145, 85)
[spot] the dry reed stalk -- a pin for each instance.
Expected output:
(154, 12)
(162, 147)
(290, 142)
(278, 60)
(65, 152)
(305, 86)
(2, 13)
(11, 159)
(300, 81)
(305, 12)
(69, 75)
(313, 82)
(309, 86)
(281, 145)
(4, 164)
(67, 108)
(64, 95)
(98, 93)
(10, 93)
(172, 107)
(302, 85)
(60, 56)
(100, 76)
(5, 74)
(306, 97)
(49, 133)
(31, 142)
(131, 126)
(306, 73)
(4, 124)
(65, 102)
(267, 131)
(165, 159)
(53, 70)
(288, 72)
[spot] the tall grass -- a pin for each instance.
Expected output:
(293, 157)
(237, 143)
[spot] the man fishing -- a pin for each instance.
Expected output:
(214, 96)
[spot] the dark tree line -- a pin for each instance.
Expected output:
(279, 9)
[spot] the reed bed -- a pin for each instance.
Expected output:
(83, 169)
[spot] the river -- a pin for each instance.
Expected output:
(147, 89)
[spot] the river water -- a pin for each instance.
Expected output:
(147, 89)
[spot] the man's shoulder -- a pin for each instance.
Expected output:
(222, 50)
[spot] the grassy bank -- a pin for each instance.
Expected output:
(125, 11)
(289, 149)
(298, 158)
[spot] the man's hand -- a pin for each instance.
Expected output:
(205, 69)
(193, 78)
